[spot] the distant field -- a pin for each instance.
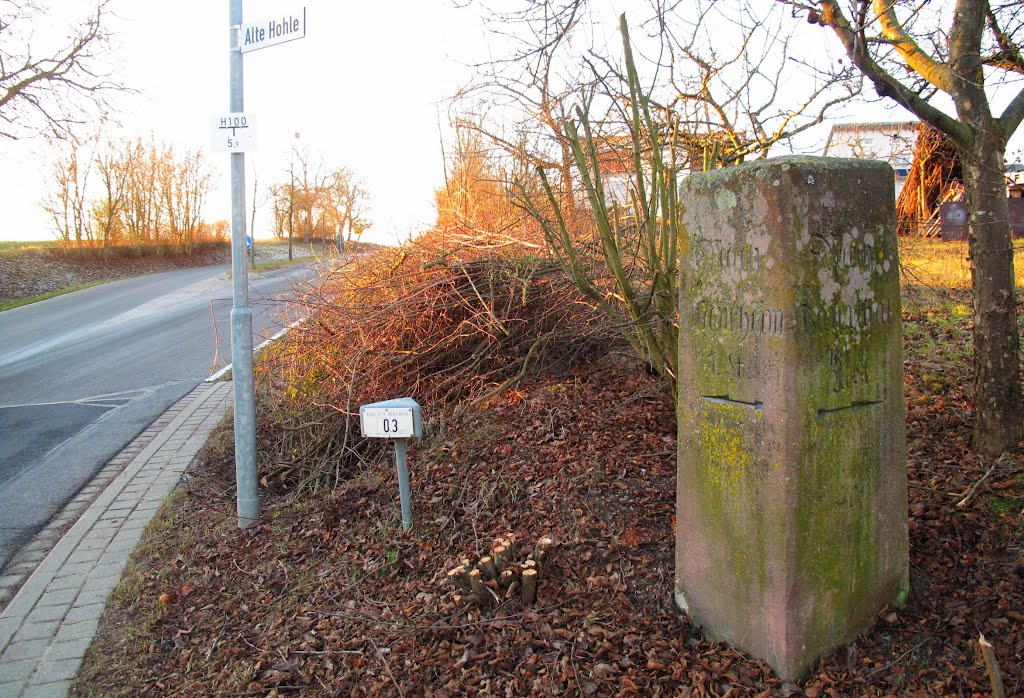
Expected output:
(935, 263)
(12, 246)
(925, 262)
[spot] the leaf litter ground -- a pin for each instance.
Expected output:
(328, 597)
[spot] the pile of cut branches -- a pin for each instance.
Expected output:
(935, 167)
(446, 327)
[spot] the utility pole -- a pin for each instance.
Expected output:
(246, 478)
(291, 201)
(252, 217)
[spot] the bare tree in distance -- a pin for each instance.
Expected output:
(254, 205)
(532, 88)
(185, 182)
(49, 84)
(323, 202)
(308, 189)
(924, 57)
(113, 172)
(131, 193)
(66, 202)
(347, 202)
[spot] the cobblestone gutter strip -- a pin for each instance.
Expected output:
(25, 561)
(47, 627)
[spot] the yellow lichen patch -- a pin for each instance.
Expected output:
(728, 470)
(726, 455)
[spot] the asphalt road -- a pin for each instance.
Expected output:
(83, 374)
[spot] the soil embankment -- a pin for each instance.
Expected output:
(35, 271)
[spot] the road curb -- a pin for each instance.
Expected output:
(47, 627)
(24, 562)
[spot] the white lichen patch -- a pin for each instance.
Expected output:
(725, 199)
(829, 286)
(857, 286)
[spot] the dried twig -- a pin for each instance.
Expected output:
(994, 673)
(974, 488)
(387, 667)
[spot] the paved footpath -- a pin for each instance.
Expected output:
(49, 624)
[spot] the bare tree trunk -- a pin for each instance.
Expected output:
(981, 140)
(568, 195)
(997, 393)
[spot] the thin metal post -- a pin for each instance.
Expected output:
(403, 483)
(291, 201)
(247, 480)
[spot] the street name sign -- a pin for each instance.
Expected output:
(234, 133)
(270, 32)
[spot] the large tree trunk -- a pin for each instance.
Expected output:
(997, 392)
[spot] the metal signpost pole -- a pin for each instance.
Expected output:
(241, 315)
(404, 493)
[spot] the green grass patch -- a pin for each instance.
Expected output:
(52, 294)
(999, 505)
(18, 246)
(283, 263)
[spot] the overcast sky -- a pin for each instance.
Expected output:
(366, 89)
(363, 88)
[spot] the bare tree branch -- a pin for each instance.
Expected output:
(1008, 56)
(924, 65)
(51, 88)
(885, 84)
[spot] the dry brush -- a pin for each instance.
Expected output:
(449, 328)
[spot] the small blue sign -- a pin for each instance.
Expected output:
(248, 242)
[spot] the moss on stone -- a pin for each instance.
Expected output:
(815, 411)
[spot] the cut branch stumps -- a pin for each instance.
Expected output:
(540, 551)
(500, 576)
(460, 577)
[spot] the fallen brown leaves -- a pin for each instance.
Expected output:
(328, 597)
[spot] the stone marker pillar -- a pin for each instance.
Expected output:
(792, 483)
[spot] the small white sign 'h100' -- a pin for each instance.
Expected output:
(233, 133)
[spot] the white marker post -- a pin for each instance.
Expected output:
(398, 420)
